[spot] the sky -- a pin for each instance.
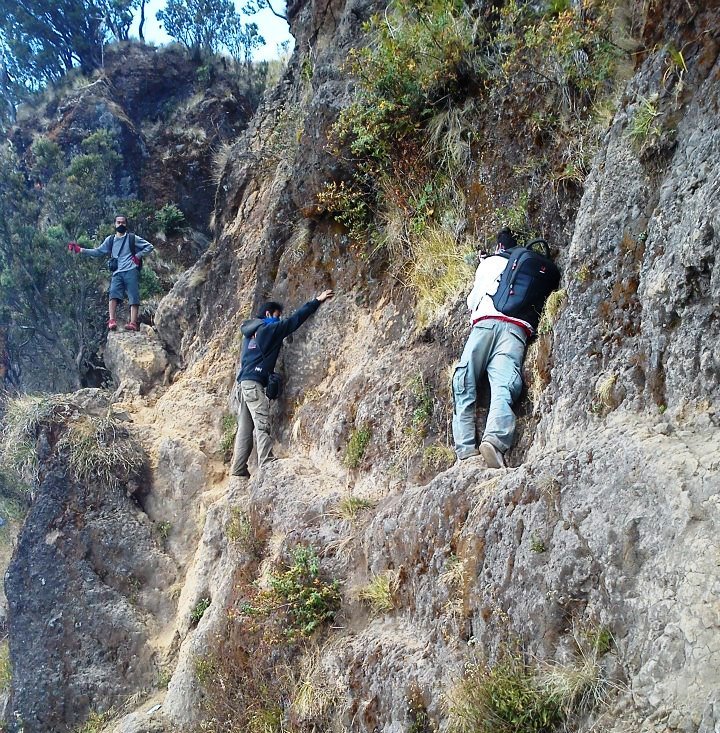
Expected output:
(273, 29)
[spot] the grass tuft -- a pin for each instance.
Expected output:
(351, 507)
(229, 428)
(437, 270)
(500, 699)
(24, 416)
(380, 592)
(100, 450)
(551, 311)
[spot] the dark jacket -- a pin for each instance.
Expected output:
(262, 342)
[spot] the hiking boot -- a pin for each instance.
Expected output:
(242, 473)
(493, 457)
(131, 326)
(112, 325)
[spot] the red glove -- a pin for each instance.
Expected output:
(74, 247)
(136, 260)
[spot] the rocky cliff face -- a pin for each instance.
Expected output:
(594, 554)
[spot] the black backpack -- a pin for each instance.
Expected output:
(526, 282)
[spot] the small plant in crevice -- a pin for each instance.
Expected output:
(163, 530)
(379, 593)
(241, 531)
(199, 609)
(347, 204)
(537, 544)
(229, 428)
(583, 273)
(96, 722)
(5, 666)
(204, 668)
(643, 124)
(453, 574)
(299, 599)
(357, 443)
(418, 718)
(551, 311)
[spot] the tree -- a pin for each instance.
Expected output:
(254, 6)
(52, 305)
(199, 24)
(241, 39)
(46, 38)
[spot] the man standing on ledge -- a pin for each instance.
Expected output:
(125, 251)
(261, 347)
(496, 344)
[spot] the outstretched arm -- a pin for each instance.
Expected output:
(288, 325)
(102, 250)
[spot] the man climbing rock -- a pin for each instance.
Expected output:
(124, 251)
(496, 345)
(261, 347)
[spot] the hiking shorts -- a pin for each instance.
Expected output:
(126, 283)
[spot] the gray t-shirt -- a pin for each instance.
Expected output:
(119, 247)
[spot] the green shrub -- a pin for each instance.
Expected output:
(299, 593)
(170, 220)
(501, 699)
(150, 284)
(357, 443)
(347, 204)
(199, 610)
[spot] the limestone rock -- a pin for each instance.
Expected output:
(137, 361)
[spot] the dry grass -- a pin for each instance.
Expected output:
(100, 450)
(23, 419)
(438, 270)
(315, 692)
(537, 367)
(453, 576)
(220, 158)
(450, 134)
(551, 311)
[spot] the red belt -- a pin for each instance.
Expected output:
(525, 328)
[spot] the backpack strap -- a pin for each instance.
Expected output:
(132, 244)
(544, 244)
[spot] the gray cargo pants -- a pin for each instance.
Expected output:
(497, 347)
(253, 415)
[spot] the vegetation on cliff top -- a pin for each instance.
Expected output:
(430, 71)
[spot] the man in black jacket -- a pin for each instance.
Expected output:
(261, 347)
